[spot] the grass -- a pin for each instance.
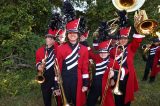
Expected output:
(148, 94)
(18, 88)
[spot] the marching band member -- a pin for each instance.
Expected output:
(49, 50)
(102, 61)
(128, 85)
(73, 62)
(150, 60)
(156, 64)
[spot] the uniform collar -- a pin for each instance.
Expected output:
(73, 45)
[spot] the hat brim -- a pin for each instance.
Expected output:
(73, 30)
(103, 51)
(48, 35)
(124, 36)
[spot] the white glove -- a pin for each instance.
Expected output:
(84, 89)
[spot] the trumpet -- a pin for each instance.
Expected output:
(60, 82)
(116, 88)
(40, 78)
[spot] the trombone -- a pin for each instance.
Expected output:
(60, 82)
(116, 90)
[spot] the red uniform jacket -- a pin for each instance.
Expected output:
(156, 61)
(109, 99)
(132, 83)
(40, 53)
(62, 52)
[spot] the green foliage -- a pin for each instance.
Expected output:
(17, 83)
(21, 23)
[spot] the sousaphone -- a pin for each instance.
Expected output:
(128, 5)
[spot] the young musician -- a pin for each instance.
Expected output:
(73, 63)
(46, 55)
(103, 63)
(150, 59)
(156, 64)
(129, 84)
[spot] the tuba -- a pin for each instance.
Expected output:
(128, 5)
(143, 25)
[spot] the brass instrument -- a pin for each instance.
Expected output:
(91, 69)
(113, 28)
(60, 82)
(143, 25)
(40, 78)
(116, 88)
(156, 33)
(145, 49)
(128, 5)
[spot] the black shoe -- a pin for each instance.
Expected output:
(152, 79)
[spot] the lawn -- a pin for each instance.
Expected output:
(18, 88)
